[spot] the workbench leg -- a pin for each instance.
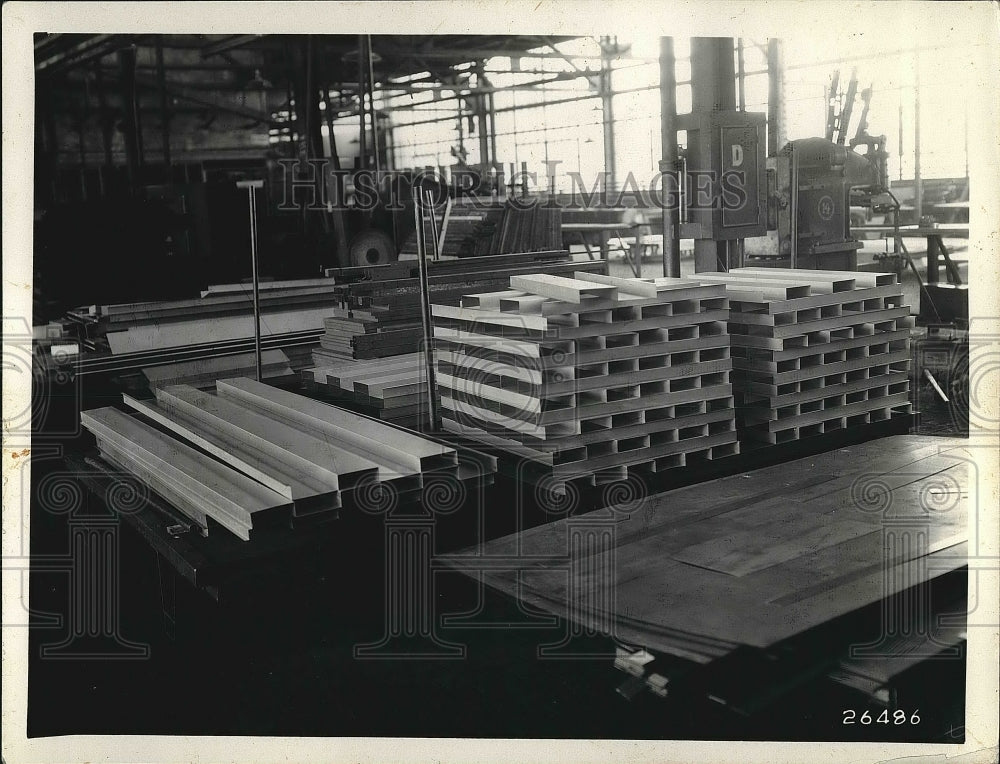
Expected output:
(410, 614)
(933, 259)
(167, 579)
(954, 277)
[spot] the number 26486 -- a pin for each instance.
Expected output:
(896, 717)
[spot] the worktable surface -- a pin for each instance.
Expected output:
(754, 558)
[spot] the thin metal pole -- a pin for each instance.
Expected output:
(429, 199)
(251, 186)
(776, 128)
(741, 74)
(425, 315)
(362, 76)
(161, 77)
(794, 209)
(668, 165)
(371, 106)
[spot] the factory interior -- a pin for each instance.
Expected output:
(499, 386)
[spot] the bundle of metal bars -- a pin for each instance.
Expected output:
(590, 379)
(253, 459)
(393, 389)
(374, 333)
(208, 338)
(222, 313)
(815, 351)
(382, 318)
(205, 372)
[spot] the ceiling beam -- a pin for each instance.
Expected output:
(229, 43)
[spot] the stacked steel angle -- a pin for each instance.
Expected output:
(253, 458)
(815, 351)
(590, 379)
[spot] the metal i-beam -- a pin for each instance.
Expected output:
(204, 100)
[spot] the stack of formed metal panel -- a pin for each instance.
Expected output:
(393, 389)
(254, 458)
(365, 334)
(815, 351)
(590, 379)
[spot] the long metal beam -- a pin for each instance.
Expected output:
(461, 55)
(229, 43)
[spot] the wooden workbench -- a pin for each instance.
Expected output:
(751, 559)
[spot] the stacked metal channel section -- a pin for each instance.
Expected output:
(590, 379)
(392, 389)
(253, 458)
(815, 351)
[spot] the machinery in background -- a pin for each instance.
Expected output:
(724, 161)
(818, 180)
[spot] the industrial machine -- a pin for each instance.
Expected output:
(829, 177)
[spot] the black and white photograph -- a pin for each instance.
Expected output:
(450, 381)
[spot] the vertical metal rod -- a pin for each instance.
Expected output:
(607, 109)
(429, 199)
(444, 227)
(482, 119)
(493, 132)
(371, 106)
(776, 129)
(251, 186)
(130, 122)
(669, 165)
(161, 78)
(308, 99)
(425, 315)
(256, 281)
(362, 76)
(741, 74)
(794, 208)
